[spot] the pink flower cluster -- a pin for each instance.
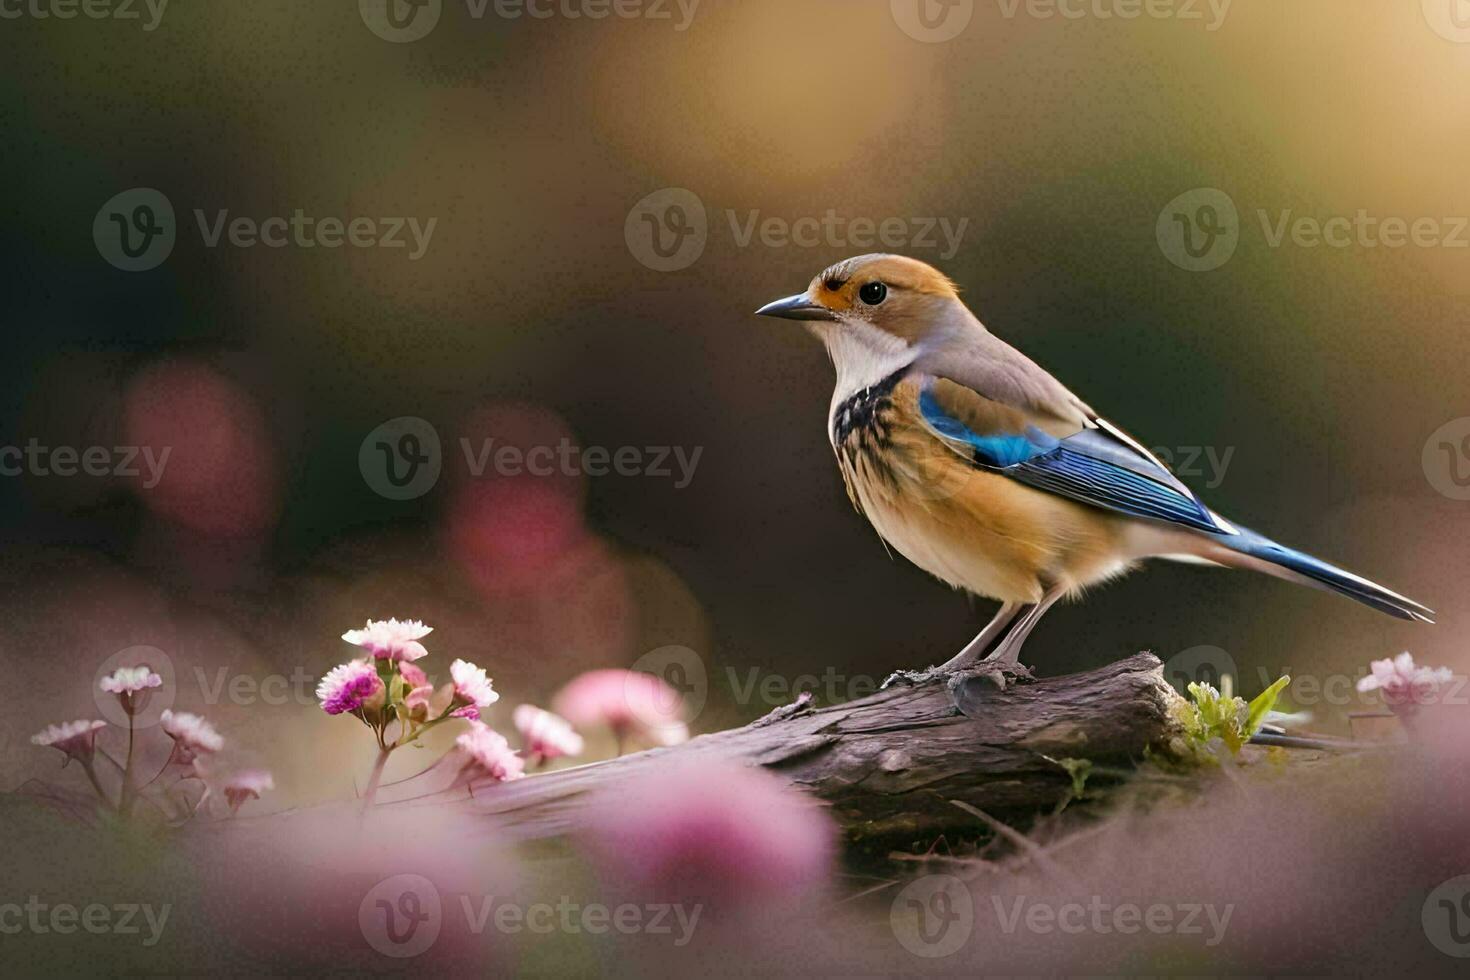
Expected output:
(392, 695)
(194, 739)
(1403, 683)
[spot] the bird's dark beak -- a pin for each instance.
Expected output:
(798, 307)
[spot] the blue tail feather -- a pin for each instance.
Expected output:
(1323, 575)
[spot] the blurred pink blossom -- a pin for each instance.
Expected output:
(1403, 683)
(721, 831)
(192, 735)
(544, 735)
(631, 703)
(388, 639)
(246, 785)
(488, 755)
(351, 686)
(78, 739)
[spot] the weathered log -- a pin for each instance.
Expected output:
(890, 763)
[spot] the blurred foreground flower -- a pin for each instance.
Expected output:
(1405, 685)
(634, 704)
(545, 736)
(723, 832)
(392, 692)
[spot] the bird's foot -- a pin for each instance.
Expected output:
(998, 672)
(913, 678)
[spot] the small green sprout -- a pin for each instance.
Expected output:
(1210, 714)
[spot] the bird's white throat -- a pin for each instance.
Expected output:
(863, 356)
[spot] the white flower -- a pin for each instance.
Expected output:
(388, 639)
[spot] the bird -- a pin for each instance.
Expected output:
(981, 468)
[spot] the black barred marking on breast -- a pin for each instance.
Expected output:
(864, 413)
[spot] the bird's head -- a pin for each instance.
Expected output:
(904, 299)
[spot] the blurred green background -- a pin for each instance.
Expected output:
(1323, 371)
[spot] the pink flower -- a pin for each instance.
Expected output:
(546, 735)
(472, 690)
(192, 735)
(631, 703)
(488, 755)
(131, 685)
(716, 830)
(412, 673)
(388, 639)
(78, 739)
(351, 686)
(1402, 683)
(247, 785)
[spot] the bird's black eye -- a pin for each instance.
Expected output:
(873, 293)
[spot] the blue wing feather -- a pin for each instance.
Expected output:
(1091, 467)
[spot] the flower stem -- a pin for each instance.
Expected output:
(92, 778)
(125, 798)
(375, 779)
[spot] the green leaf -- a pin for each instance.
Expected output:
(1262, 704)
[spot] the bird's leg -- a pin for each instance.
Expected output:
(977, 647)
(973, 650)
(1004, 663)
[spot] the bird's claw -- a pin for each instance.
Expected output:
(997, 672)
(910, 677)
